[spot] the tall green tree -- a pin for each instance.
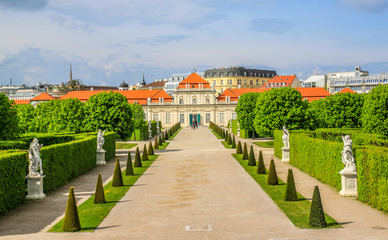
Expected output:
(338, 110)
(9, 121)
(71, 115)
(245, 110)
(375, 111)
(26, 115)
(110, 111)
(281, 107)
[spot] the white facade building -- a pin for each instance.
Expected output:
(338, 79)
(315, 81)
(358, 84)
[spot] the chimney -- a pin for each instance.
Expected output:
(91, 89)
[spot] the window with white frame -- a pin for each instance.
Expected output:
(181, 101)
(207, 117)
(182, 118)
(156, 117)
(207, 100)
(222, 117)
(194, 101)
(168, 118)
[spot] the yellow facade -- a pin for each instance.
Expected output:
(223, 83)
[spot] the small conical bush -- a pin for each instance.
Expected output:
(150, 149)
(230, 139)
(290, 194)
(137, 162)
(156, 145)
(245, 152)
(99, 197)
(144, 157)
(233, 142)
(317, 216)
(239, 149)
(160, 140)
(226, 136)
(260, 164)
(272, 175)
(251, 158)
(71, 221)
(129, 168)
(117, 177)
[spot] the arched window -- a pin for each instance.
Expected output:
(180, 101)
(207, 100)
(194, 101)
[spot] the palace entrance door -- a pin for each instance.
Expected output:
(195, 117)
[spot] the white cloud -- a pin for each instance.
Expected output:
(370, 6)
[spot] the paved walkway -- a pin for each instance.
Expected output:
(196, 183)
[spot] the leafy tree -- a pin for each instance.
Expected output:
(71, 115)
(317, 216)
(281, 107)
(339, 110)
(375, 111)
(47, 115)
(26, 115)
(137, 116)
(109, 111)
(9, 121)
(245, 110)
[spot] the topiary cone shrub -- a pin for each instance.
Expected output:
(234, 142)
(150, 149)
(251, 158)
(99, 197)
(226, 136)
(317, 216)
(290, 194)
(156, 143)
(117, 177)
(260, 164)
(239, 150)
(129, 168)
(137, 162)
(166, 136)
(272, 176)
(245, 152)
(229, 139)
(144, 157)
(71, 221)
(160, 140)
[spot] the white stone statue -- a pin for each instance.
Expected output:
(100, 140)
(34, 158)
(347, 154)
(286, 138)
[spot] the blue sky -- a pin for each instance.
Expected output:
(110, 41)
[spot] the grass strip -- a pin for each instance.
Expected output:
(91, 215)
(226, 145)
(176, 133)
(266, 144)
(298, 211)
(120, 145)
(215, 134)
(163, 146)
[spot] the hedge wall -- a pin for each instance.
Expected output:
(13, 168)
(109, 145)
(142, 132)
(234, 126)
(278, 143)
(322, 159)
(46, 139)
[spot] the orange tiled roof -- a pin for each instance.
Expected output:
(21, 102)
(307, 93)
(346, 90)
(139, 96)
(280, 81)
(194, 80)
(43, 97)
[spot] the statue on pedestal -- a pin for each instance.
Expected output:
(34, 158)
(347, 154)
(286, 138)
(100, 140)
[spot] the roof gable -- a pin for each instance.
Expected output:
(43, 97)
(194, 80)
(346, 90)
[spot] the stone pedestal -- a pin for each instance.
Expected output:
(35, 187)
(349, 184)
(149, 134)
(285, 154)
(101, 157)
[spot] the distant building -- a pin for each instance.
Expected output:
(358, 81)
(237, 77)
(315, 81)
(157, 85)
(124, 86)
(283, 81)
(173, 81)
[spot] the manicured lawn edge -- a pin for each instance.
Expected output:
(162, 147)
(91, 215)
(267, 144)
(120, 145)
(215, 134)
(298, 211)
(226, 145)
(176, 133)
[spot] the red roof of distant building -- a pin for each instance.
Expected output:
(280, 81)
(194, 80)
(21, 102)
(309, 94)
(139, 96)
(346, 90)
(43, 97)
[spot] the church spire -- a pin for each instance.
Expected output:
(144, 82)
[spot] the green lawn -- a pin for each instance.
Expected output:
(215, 134)
(266, 144)
(162, 147)
(91, 215)
(226, 144)
(298, 212)
(125, 145)
(176, 133)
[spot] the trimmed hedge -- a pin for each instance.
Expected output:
(13, 169)
(322, 160)
(46, 139)
(142, 132)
